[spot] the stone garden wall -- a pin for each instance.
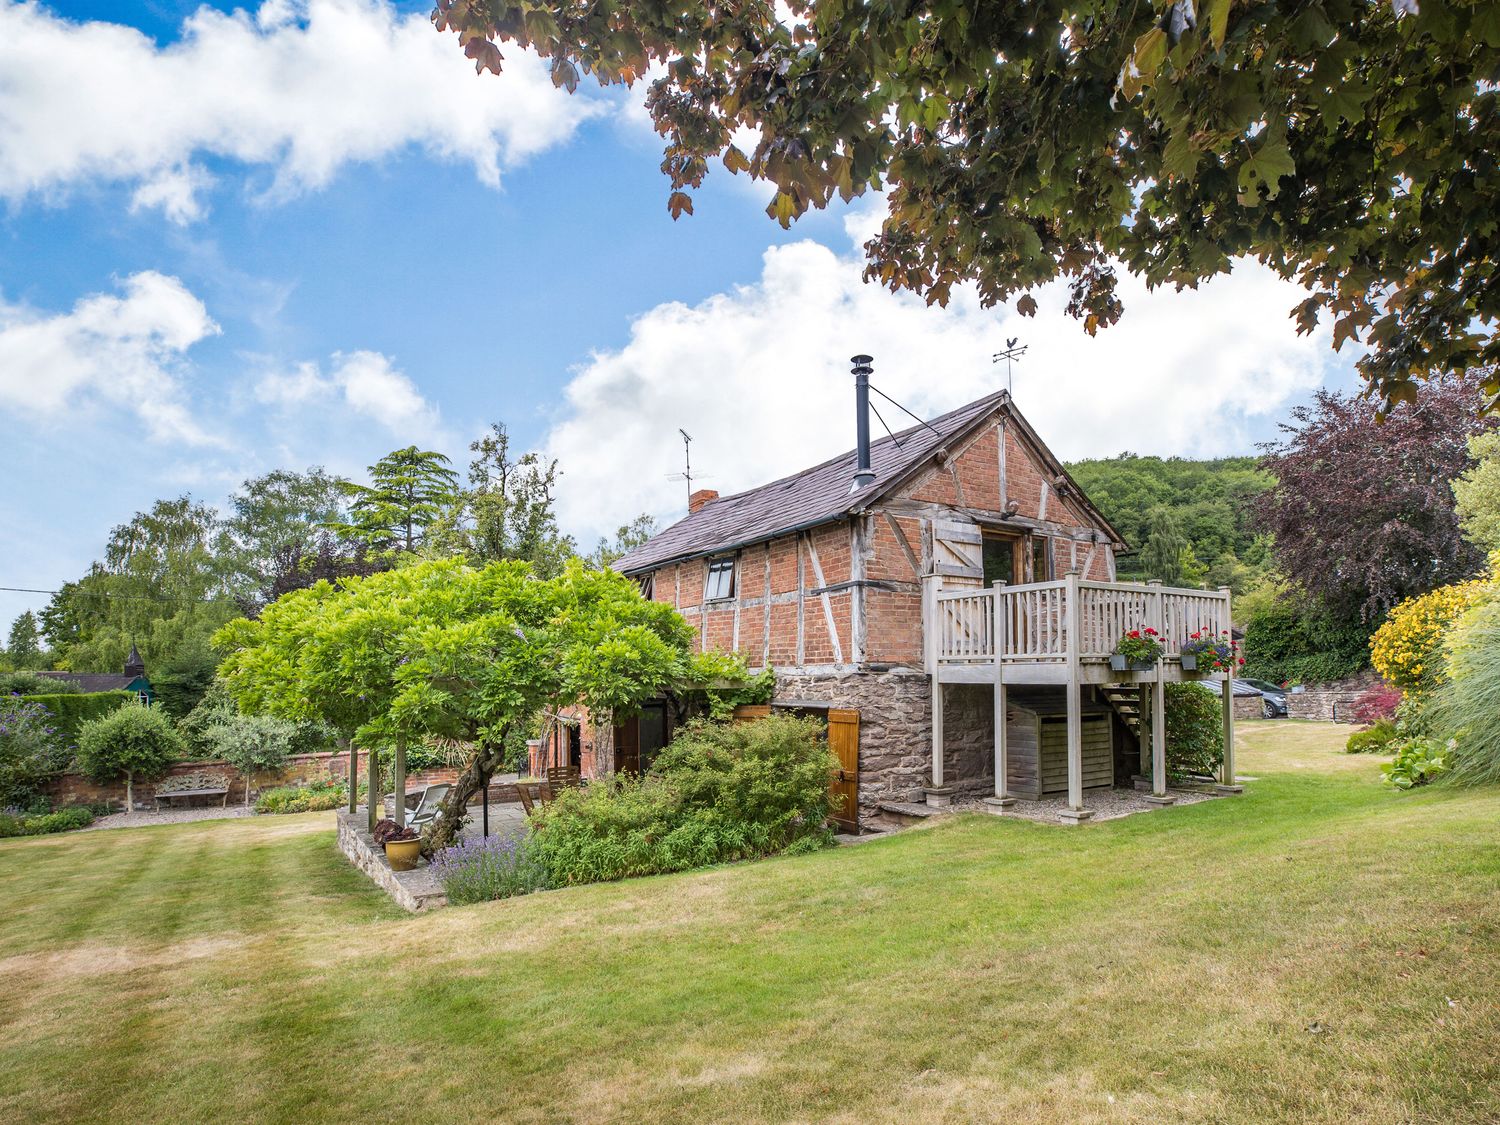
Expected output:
(1330, 702)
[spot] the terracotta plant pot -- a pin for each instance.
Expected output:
(403, 854)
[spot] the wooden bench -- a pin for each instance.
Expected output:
(193, 785)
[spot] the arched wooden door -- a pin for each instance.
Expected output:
(843, 740)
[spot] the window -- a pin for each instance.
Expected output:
(720, 582)
(1041, 559)
(999, 559)
(647, 584)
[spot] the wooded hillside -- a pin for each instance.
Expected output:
(1198, 512)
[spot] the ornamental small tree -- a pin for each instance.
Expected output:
(445, 649)
(252, 744)
(133, 742)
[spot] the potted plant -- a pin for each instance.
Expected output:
(402, 845)
(1138, 651)
(1207, 651)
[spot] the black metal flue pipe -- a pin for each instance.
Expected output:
(863, 474)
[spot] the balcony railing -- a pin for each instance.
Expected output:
(1034, 623)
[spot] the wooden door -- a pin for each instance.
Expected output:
(843, 740)
(957, 552)
(628, 746)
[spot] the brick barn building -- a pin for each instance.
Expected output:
(936, 571)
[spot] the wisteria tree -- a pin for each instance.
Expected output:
(445, 649)
(1348, 144)
(1362, 510)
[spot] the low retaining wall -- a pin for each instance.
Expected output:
(416, 891)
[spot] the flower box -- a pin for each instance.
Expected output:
(1119, 662)
(1190, 662)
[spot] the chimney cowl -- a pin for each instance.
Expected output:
(702, 498)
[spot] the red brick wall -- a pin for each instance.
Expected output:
(301, 769)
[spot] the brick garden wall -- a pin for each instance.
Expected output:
(301, 769)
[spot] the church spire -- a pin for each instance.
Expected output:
(134, 665)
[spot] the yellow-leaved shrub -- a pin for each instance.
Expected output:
(1407, 650)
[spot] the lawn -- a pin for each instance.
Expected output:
(1319, 949)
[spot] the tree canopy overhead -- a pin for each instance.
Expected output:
(1348, 144)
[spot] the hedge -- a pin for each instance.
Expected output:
(69, 712)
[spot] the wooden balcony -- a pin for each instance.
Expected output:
(1062, 632)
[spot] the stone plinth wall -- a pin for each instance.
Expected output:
(416, 891)
(301, 769)
(895, 731)
(895, 728)
(1330, 703)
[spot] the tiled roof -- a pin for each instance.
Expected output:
(808, 498)
(94, 681)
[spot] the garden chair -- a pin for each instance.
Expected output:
(563, 777)
(429, 807)
(523, 794)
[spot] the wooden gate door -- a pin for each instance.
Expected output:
(843, 740)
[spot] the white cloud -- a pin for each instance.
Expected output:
(300, 86)
(365, 382)
(126, 350)
(759, 377)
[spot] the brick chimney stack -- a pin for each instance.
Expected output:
(701, 498)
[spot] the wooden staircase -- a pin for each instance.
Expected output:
(1126, 701)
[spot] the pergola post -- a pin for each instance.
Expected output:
(372, 774)
(1075, 810)
(399, 813)
(353, 774)
(1002, 798)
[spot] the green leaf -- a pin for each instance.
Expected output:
(1150, 52)
(1217, 14)
(1270, 161)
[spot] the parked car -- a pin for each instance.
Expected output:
(1272, 696)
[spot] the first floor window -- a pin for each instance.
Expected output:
(720, 583)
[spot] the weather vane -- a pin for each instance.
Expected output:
(1010, 355)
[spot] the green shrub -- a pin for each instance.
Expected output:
(1374, 739)
(719, 792)
(1195, 731)
(128, 743)
(319, 796)
(70, 710)
(1293, 639)
(11, 825)
(1417, 761)
(32, 683)
(1468, 704)
(63, 820)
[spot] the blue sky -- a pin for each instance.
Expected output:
(306, 233)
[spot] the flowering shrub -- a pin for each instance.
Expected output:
(31, 751)
(1216, 652)
(1407, 650)
(478, 870)
(1140, 646)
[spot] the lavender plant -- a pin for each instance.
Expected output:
(481, 869)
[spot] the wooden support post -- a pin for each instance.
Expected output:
(1143, 728)
(372, 781)
(1002, 798)
(938, 795)
(353, 774)
(1075, 810)
(1227, 782)
(398, 814)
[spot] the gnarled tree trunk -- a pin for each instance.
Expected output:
(474, 778)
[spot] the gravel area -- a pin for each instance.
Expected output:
(167, 816)
(1106, 804)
